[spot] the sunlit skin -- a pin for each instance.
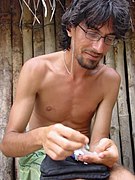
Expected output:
(59, 105)
(91, 53)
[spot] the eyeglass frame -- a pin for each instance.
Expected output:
(104, 37)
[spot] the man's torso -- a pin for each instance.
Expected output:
(67, 100)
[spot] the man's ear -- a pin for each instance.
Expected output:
(69, 32)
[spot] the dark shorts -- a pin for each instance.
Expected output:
(70, 169)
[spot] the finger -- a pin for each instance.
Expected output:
(50, 153)
(58, 153)
(110, 153)
(72, 134)
(105, 154)
(93, 157)
(53, 155)
(64, 143)
(104, 144)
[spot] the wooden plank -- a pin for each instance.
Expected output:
(17, 49)
(127, 156)
(6, 171)
(58, 14)
(27, 33)
(38, 33)
(132, 92)
(114, 130)
(17, 54)
(130, 55)
(49, 32)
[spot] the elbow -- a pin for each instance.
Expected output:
(4, 148)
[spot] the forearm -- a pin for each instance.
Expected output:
(20, 144)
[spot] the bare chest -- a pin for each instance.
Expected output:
(65, 101)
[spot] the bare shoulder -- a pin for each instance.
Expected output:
(41, 62)
(37, 67)
(111, 75)
(110, 80)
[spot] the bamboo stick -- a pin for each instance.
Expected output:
(130, 55)
(123, 110)
(114, 130)
(27, 33)
(132, 92)
(16, 43)
(6, 171)
(58, 14)
(49, 32)
(38, 33)
(17, 54)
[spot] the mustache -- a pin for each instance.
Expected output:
(92, 52)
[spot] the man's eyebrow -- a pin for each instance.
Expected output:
(112, 34)
(98, 31)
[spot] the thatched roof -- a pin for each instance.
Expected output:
(33, 5)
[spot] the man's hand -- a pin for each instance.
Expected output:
(60, 141)
(105, 153)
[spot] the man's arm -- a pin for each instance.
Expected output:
(101, 128)
(106, 149)
(16, 142)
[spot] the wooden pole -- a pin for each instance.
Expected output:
(58, 14)
(38, 33)
(130, 55)
(49, 32)
(123, 109)
(114, 130)
(6, 164)
(17, 53)
(17, 49)
(27, 33)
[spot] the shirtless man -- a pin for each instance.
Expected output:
(59, 93)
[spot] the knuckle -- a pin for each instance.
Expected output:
(60, 152)
(66, 146)
(57, 126)
(54, 157)
(72, 135)
(50, 135)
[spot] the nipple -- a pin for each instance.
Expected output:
(49, 108)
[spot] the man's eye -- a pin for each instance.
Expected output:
(110, 39)
(92, 34)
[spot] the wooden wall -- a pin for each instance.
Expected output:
(18, 44)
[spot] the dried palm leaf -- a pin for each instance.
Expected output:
(52, 4)
(28, 6)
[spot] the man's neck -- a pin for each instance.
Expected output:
(74, 69)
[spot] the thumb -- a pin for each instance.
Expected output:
(103, 145)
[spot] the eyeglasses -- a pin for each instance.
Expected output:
(110, 40)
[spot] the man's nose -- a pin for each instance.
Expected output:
(99, 45)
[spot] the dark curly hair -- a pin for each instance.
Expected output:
(95, 13)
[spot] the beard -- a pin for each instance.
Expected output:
(87, 63)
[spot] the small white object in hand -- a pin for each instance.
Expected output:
(83, 151)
